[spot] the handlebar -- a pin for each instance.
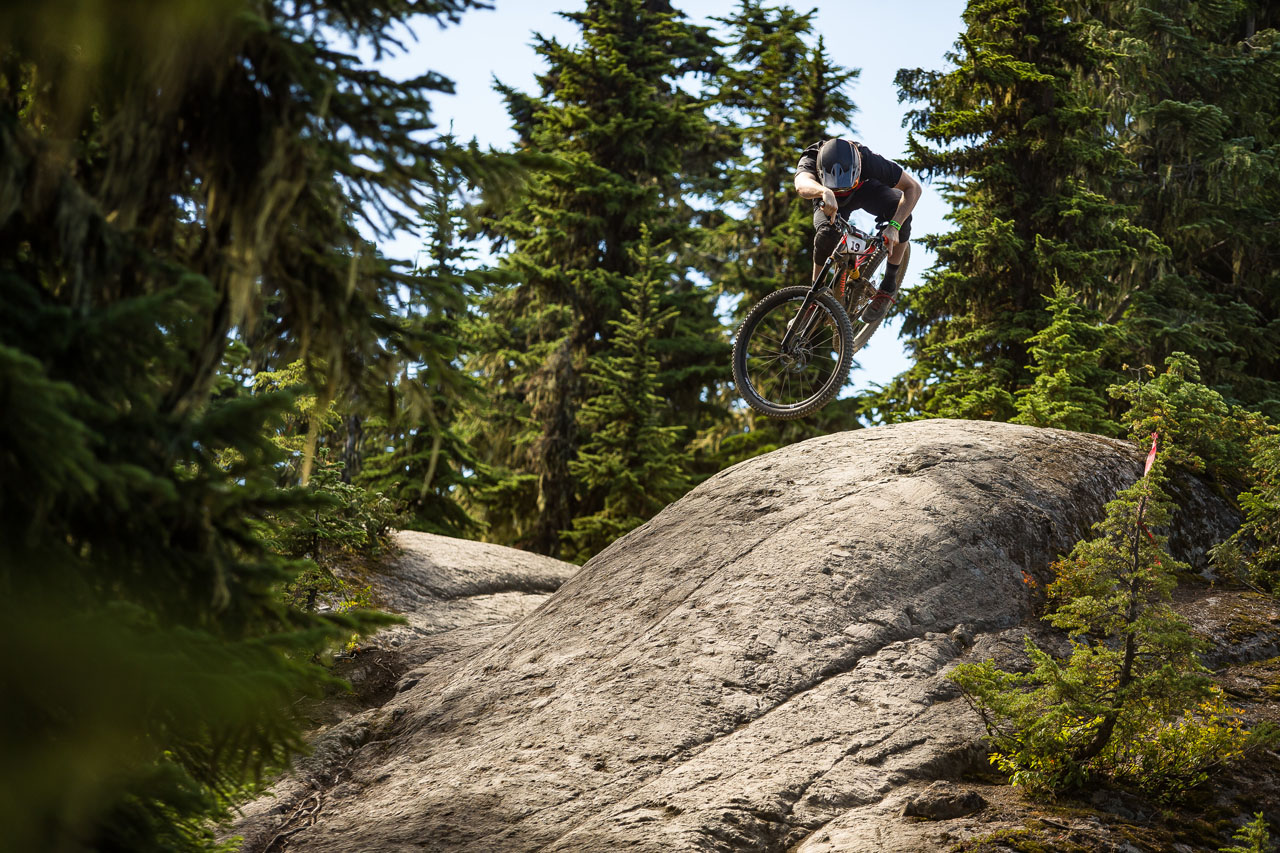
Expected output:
(849, 230)
(852, 233)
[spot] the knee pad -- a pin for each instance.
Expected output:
(824, 242)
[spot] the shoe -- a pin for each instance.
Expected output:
(879, 306)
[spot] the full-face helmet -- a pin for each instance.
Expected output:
(839, 165)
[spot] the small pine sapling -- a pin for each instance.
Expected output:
(1253, 837)
(1131, 703)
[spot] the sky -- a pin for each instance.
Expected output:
(877, 37)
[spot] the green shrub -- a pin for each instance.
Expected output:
(1252, 554)
(1131, 703)
(1253, 837)
(1198, 429)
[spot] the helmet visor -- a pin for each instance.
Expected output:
(840, 176)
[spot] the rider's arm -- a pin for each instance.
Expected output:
(810, 187)
(911, 190)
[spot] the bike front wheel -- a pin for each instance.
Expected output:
(802, 378)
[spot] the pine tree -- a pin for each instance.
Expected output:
(1190, 89)
(628, 140)
(1066, 356)
(779, 93)
(1131, 703)
(172, 174)
(1205, 433)
(1029, 178)
(413, 452)
(633, 465)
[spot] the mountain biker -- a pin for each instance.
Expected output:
(843, 175)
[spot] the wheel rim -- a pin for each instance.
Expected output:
(788, 380)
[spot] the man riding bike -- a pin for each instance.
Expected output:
(843, 175)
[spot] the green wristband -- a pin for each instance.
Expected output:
(895, 225)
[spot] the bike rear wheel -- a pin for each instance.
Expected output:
(792, 384)
(858, 298)
(859, 295)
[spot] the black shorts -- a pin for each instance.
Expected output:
(874, 197)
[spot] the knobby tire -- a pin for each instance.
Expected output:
(765, 377)
(864, 331)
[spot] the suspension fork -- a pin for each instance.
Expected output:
(802, 323)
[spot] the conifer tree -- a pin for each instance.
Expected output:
(1131, 703)
(1190, 90)
(780, 92)
(413, 453)
(172, 173)
(780, 95)
(1028, 174)
(631, 463)
(1205, 433)
(1066, 356)
(628, 140)
(824, 105)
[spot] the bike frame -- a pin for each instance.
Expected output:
(861, 247)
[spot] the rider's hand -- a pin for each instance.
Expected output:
(829, 206)
(890, 236)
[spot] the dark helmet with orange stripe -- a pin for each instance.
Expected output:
(839, 165)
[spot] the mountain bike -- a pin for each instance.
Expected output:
(793, 352)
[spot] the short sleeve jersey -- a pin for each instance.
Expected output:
(874, 167)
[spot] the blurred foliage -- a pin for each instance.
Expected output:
(179, 190)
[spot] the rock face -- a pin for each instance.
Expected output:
(457, 597)
(440, 583)
(943, 801)
(454, 595)
(760, 667)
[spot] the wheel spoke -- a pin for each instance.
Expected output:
(802, 378)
